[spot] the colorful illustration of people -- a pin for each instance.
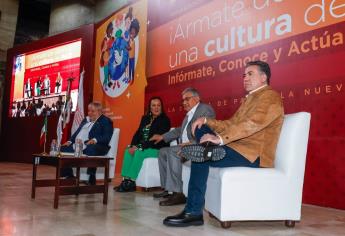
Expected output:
(106, 45)
(134, 29)
(58, 83)
(118, 53)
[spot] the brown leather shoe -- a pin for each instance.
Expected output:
(175, 199)
(161, 194)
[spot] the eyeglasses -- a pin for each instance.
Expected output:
(186, 99)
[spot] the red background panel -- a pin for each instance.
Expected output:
(312, 82)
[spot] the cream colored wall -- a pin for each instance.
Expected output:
(71, 14)
(8, 23)
(105, 8)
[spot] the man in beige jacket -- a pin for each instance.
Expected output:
(249, 138)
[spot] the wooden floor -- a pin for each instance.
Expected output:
(126, 213)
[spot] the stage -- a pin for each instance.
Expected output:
(135, 213)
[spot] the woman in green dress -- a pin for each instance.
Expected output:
(155, 121)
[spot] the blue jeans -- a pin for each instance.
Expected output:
(199, 173)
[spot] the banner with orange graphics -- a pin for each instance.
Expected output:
(119, 77)
(219, 28)
(206, 45)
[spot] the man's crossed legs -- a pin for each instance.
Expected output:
(193, 211)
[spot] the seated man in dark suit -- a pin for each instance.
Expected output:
(95, 131)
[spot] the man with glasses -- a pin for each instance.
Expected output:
(170, 163)
(249, 139)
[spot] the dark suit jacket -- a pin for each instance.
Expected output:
(160, 125)
(102, 130)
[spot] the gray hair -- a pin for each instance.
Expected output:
(193, 91)
(97, 105)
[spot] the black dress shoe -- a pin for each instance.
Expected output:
(122, 185)
(183, 219)
(117, 187)
(162, 194)
(127, 186)
(203, 152)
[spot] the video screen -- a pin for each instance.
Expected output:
(42, 79)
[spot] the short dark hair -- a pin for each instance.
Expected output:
(110, 26)
(148, 111)
(135, 25)
(129, 13)
(263, 67)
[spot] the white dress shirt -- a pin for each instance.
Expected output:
(190, 115)
(84, 132)
(253, 91)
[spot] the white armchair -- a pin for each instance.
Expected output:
(114, 141)
(149, 176)
(246, 194)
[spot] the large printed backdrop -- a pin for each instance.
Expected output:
(205, 44)
(119, 78)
